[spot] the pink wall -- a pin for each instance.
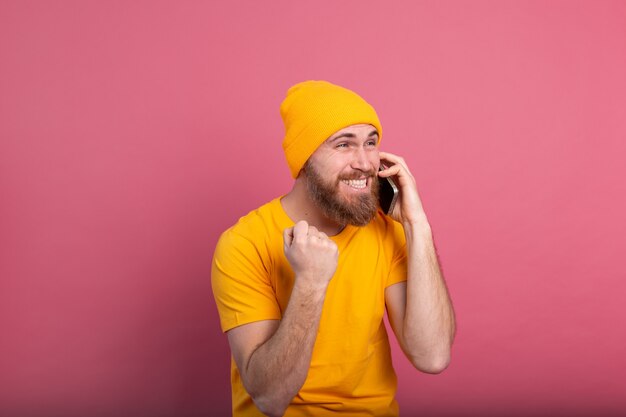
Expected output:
(133, 133)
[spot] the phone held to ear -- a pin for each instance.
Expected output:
(387, 193)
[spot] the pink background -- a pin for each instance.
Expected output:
(133, 133)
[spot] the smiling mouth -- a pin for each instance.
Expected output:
(358, 184)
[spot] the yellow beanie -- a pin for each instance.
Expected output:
(313, 111)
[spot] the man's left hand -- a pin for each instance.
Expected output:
(408, 209)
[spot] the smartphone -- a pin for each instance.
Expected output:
(387, 193)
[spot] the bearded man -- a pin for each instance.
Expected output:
(302, 283)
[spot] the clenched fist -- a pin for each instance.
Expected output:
(311, 254)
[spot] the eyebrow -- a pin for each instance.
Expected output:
(352, 136)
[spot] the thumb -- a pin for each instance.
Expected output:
(288, 236)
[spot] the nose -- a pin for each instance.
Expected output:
(361, 160)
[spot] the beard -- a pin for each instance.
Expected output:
(357, 211)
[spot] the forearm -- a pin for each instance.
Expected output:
(278, 368)
(429, 324)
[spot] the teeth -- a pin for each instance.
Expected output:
(356, 183)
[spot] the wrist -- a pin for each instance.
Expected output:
(309, 286)
(418, 232)
(418, 225)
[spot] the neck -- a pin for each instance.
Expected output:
(299, 206)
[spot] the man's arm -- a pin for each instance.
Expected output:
(273, 357)
(420, 310)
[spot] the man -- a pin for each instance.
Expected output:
(302, 283)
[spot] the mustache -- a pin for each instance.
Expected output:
(358, 175)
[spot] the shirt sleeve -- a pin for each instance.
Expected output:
(241, 282)
(397, 241)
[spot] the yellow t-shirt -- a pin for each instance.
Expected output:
(351, 371)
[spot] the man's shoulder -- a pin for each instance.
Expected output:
(260, 223)
(255, 240)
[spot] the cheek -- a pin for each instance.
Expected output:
(375, 159)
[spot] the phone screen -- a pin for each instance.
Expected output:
(388, 193)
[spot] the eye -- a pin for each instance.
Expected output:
(342, 145)
(371, 143)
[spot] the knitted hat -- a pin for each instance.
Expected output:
(313, 111)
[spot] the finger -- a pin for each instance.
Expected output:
(288, 236)
(394, 159)
(313, 231)
(389, 157)
(386, 155)
(323, 237)
(300, 230)
(399, 171)
(392, 170)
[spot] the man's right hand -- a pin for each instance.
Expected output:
(274, 356)
(312, 254)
